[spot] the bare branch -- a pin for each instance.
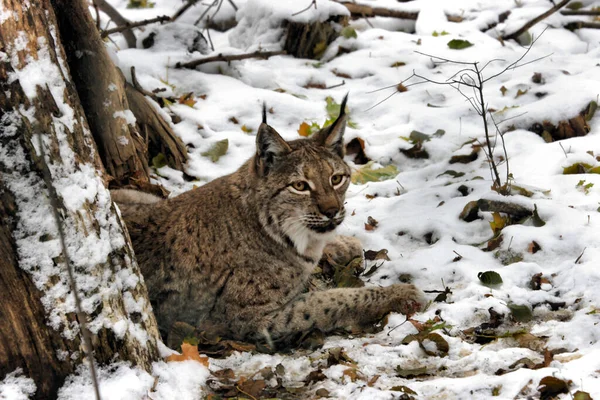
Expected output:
(118, 19)
(446, 60)
(338, 85)
(366, 11)
(582, 24)
(139, 87)
(129, 25)
(515, 63)
(214, 3)
(235, 8)
(312, 3)
(581, 12)
(534, 21)
(228, 58)
(183, 9)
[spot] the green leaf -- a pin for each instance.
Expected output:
(590, 110)
(349, 32)
(452, 173)
(520, 312)
(579, 395)
(217, 150)
(418, 137)
(442, 33)
(459, 44)
(580, 168)
(332, 108)
(535, 218)
(368, 174)
(575, 5)
(490, 278)
(159, 161)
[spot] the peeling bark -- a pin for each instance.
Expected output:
(39, 330)
(101, 88)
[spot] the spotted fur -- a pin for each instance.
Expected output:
(237, 252)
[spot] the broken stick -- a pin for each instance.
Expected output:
(228, 58)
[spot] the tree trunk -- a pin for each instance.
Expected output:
(100, 83)
(40, 115)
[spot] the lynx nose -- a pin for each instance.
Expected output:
(330, 212)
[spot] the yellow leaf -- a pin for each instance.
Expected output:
(188, 352)
(246, 129)
(498, 222)
(304, 129)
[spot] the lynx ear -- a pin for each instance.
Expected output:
(269, 145)
(332, 136)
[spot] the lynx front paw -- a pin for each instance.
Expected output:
(407, 299)
(343, 249)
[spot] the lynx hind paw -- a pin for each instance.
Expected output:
(408, 299)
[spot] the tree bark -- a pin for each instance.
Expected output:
(100, 83)
(39, 106)
(24, 338)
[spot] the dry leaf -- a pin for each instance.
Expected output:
(371, 224)
(188, 352)
(304, 129)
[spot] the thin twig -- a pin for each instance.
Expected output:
(130, 25)
(118, 19)
(81, 316)
(235, 8)
(139, 87)
(581, 255)
(212, 47)
(228, 58)
(515, 64)
(214, 3)
(563, 149)
(581, 12)
(313, 2)
(338, 85)
(97, 12)
(183, 9)
(534, 21)
(582, 24)
(367, 11)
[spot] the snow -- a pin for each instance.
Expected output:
(91, 244)
(15, 386)
(420, 202)
(259, 21)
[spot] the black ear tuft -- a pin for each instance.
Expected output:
(332, 137)
(343, 105)
(264, 112)
(269, 146)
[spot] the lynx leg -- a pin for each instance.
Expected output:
(340, 308)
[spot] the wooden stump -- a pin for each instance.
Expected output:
(311, 40)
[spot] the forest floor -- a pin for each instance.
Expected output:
(422, 159)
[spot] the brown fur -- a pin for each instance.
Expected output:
(237, 252)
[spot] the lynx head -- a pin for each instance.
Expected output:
(301, 184)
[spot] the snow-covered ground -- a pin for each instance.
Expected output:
(417, 210)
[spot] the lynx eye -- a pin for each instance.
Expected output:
(300, 186)
(337, 179)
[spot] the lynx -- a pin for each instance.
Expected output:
(237, 253)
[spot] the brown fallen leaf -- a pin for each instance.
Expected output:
(373, 255)
(371, 224)
(188, 352)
